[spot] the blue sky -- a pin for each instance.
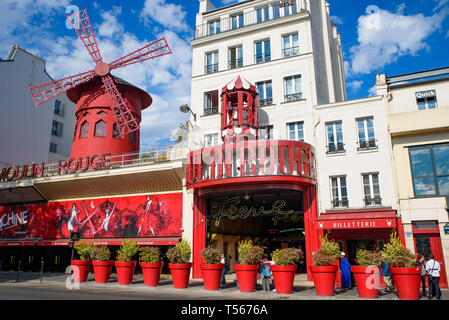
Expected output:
(392, 37)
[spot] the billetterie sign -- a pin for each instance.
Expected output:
(74, 165)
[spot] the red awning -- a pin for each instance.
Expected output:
(140, 241)
(357, 220)
(18, 242)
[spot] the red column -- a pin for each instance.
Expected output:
(199, 233)
(312, 234)
(400, 228)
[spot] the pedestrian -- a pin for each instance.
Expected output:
(345, 270)
(433, 274)
(226, 267)
(386, 275)
(265, 273)
(420, 263)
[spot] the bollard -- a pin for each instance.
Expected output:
(18, 271)
(42, 268)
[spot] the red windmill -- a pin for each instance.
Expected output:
(111, 106)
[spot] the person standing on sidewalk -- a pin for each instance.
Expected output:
(226, 267)
(433, 274)
(386, 274)
(420, 263)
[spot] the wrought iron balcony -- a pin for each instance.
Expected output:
(265, 57)
(265, 102)
(367, 144)
(376, 201)
(293, 97)
(211, 68)
(290, 52)
(210, 111)
(336, 147)
(343, 203)
(235, 63)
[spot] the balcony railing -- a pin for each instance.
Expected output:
(235, 63)
(211, 68)
(228, 24)
(343, 203)
(265, 57)
(367, 144)
(335, 147)
(290, 52)
(376, 201)
(293, 97)
(265, 102)
(210, 111)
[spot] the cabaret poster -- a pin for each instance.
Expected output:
(157, 215)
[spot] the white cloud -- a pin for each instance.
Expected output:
(336, 20)
(169, 15)
(386, 36)
(110, 25)
(372, 91)
(355, 85)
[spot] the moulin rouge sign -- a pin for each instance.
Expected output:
(74, 165)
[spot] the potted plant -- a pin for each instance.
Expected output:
(179, 265)
(366, 273)
(406, 276)
(284, 268)
(324, 269)
(124, 264)
(212, 269)
(250, 257)
(102, 263)
(151, 264)
(82, 266)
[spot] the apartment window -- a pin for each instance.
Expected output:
(211, 62)
(371, 189)
(339, 192)
(430, 169)
(116, 132)
(100, 129)
(293, 88)
(56, 128)
(263, 51)
(291, 45)
(59, 108)
(265, 91)
(263, 14)
(365, 128)
(289, 7)
(211, 102)
(426, 99)
(334, 137)
(295, 131)
(53, 147)
(237, 21)
(210, 140)
(266, 132)
(276, 10)
(235, 57)
(214, 27)
(84, 131)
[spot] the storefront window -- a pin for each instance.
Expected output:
(430, 169)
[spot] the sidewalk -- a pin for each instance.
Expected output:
(303, 289)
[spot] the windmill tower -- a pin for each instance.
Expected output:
(108, 112)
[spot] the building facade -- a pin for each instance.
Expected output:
(31, 134)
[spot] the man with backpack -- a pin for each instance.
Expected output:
(433, 274)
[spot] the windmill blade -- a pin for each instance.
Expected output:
(150, 51)
(80, 21)
(123, 115)
(44, 92)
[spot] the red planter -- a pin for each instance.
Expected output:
(246, 276)
(211, 275)
(125, 272)
(102, 270)
(367, 280)
(283, 277)
(324, 279)
(151, 273)
(407, 282)
(80, 270)
(180, 274)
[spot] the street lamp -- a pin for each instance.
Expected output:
(186, 109)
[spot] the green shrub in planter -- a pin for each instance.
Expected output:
(248, 253)
(327, 253)
(211, 255)
(287, 256)
(396, 255)
(180, 253)
(84, 250)
(127, 250)
(366, 258)
(100, 253)
(149, 254)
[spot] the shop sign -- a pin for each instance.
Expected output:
(426, 94)
(230, 209)
(74, 165)
(357, 224)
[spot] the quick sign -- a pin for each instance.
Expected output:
(446, 228)
(425, 94)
